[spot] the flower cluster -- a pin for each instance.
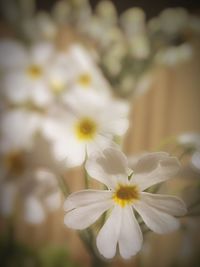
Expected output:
(60, 109)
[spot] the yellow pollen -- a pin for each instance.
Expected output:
(85, 80)
(34, 71)
(14, 162)
(57, 86)
(86, 129)
(126, 194)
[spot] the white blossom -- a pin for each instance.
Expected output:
(124, 195)
(89, 124)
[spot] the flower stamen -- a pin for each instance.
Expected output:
(126, 194)
(86, 129)
(34, 71)
(14, 162)
(85, 80)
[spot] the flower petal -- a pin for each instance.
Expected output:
(12, 54)
(106, 166)
(82, 217)
(86, 197)
(41, 52)
(158, 221)
(100, 143)
(53, 201)
(130, 238)
(109, 234)
(33, 210)
(165, 203)
(154, 168)
(18, 129)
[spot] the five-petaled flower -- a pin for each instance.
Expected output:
(90, 123)
(125, 194)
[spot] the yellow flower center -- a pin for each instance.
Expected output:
(34, 71)
(14, 162)
(85, 80)
(126, 194)
(86, 129)
(57, 86)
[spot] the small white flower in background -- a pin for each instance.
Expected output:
(89, 124)
(84, 72)
(40, 27)
(40, 194)
(18, 129)
(174, 20)
(26, 170)
(17, 133)
(191, 141)
(125, 193)
(134, 25)
(32, 74)
(174, 55)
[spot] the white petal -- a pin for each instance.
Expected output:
(12, 54)
(33, 210)
(72, 152)
(155, 219)
(86, 197)
(64, 144)
(165, 203)
(130, 239)
(41, 52)
(109, 234)
(106, 166)
(115, 116)
(16, 86)
(18, 129)
(83, 217)
(154, 168)
(99, 144)
(53, 201)
(40, 94)
(52, 129)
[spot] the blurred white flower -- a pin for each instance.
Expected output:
(84, 72)
(90, 123)
(174, 55)
(191, 141)
(40, 194)
(174, 20)
(18, 129)
(40, 27)
(17, 133)
(134, 25)
(125, 192)
(24, 75)
(21, 161)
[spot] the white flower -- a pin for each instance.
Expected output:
(191, 141)
(125, 193)
(19, 163)
(24, 72)
(90, 123)
(174, 20)
(17, 129)
(40, 194)
(85, 74)
(174, 55)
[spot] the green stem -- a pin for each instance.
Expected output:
(86, 178)
(63, 186)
